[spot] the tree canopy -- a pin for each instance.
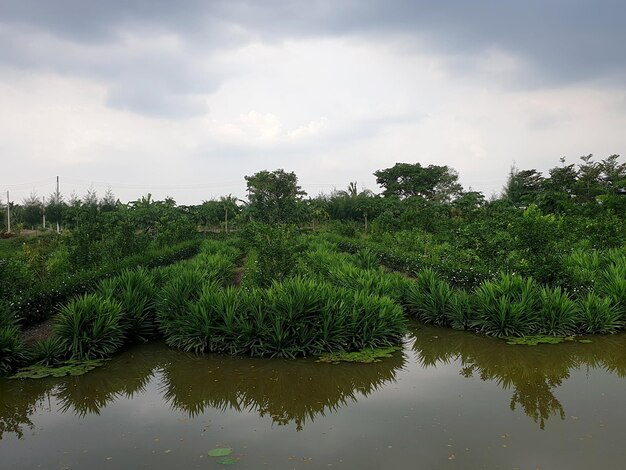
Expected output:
(274, 197)
(433, 183)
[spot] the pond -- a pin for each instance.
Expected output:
(449, 399)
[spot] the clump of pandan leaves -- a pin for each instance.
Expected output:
(134, 290)
(90, 327)
(507, 306)
(599, 315)
(296, 317)
(12, 350)
(430, 299)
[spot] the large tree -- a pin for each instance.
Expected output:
(274, 197)
(433, 182)
(523, 186)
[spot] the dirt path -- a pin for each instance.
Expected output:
(238, 276)
(35, 333)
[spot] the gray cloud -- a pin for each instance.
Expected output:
(559, 42)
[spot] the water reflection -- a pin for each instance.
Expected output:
(296, 393)
(287, 391)
(533, 373)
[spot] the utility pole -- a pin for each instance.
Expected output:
(8, 213)
(43, 210)
(58, 201)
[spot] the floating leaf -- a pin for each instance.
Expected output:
(220, 452)
(535, 340)
(73, 368)
(367, 355)
(227, 461)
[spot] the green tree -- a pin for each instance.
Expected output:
(274, 197)
(33, 210)
(55, 208)
(433, 183)
(523, 186)
(108, 201)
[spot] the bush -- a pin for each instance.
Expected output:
(557, 313)
(507, 306)
(292, 318)
(12, 350)
(49, 352)
(461, 310)
(612, 284)
(277, 248)
(37, 304)
(598, 315)
(90, 327)
(135, 292)
(430, 299)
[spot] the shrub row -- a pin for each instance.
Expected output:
(295, 317)
(123, 309)
(461, 268)
(37, 304)
(515, 306)
(12, 349)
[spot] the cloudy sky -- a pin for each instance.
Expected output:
(185, 98)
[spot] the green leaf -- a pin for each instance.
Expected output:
(220, 452)
(227, 461)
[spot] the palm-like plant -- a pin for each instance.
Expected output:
(89, 327)
(507, 306)
(598, 315)
(557, 313)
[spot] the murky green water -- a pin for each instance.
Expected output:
(449, 400)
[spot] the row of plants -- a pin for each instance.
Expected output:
(194, 307)
(461, 268)
(506, 305)
(411, 252)
(295, 317)
(39, 302)
(122, 309)
(512, 305)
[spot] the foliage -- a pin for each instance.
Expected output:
(433, 182)
(507, 306)
(38, 303)
(135, 292)
(535, 340)
(291, 318)
(12, 350)
(599, 315)
(90, 328)
(557, 313)
(220, 452)
(48, 352)
(274, 197)
(73, 368)
(364, 356)
(276, 247)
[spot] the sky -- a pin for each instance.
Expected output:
(184, 99)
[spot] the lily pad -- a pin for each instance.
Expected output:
(227, 461)
(73, 368)
(367, 355)
(535, 340)
(220, 452)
